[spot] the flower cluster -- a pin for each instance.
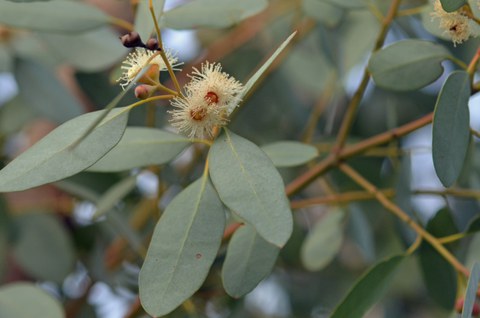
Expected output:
(142, 57)
(456, 24)
(211, 96)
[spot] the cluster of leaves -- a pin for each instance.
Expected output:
(236, 210)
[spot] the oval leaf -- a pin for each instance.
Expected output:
(88, 51)
(471, 292)
(56, 102)
(53, 157)
(368, 289)
(139, 147)
(452, 5)
(451, 127)
(290, 153)
(53, 16)
(143, 18)
(183, 247)
(27, 300)
(397, 66)
(443, 291)
(323, 11)
(323, 242)
(44, 248)
(248, 183)
(116, 193)
(249, 259)
(211, 13)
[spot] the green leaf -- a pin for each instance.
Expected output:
(451, 127)
(323, 241)
(183, 247)
(471, 292)
(52, 16)
(211, 13)
(248, 183)
(368, 289)
(14, 114)
(139, 147)
(473, 226)
(143, 18)
(43, 248)
(249, 259)
(56, 103)
(88, 51)
(397, 66)
(53, 158)
(27, 300)
(4, 237)
(434, 266)
(452, 5)
(323, 11)
(347, 4)
(290, 153)
(6, 58)
(116, 193)
(251, 82)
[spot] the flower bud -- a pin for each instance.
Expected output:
(132, 39)
(144, 91)
(152, 44)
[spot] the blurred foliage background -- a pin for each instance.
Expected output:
(48, 236)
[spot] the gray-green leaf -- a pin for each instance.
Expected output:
(452, 5)
(451, 127)
(249, 185)
(183, 247)
(41, 90)
(407, 65)
(323, 241)
(139, 147)
(43, 249)
(27, 300)
(368, 289)
(52, 16)
(471, 292)
(53, 158)
(114, 194)
(249, 259)
(290, 153)
(211, 13)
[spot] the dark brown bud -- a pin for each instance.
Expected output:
(132, 39)
(152, 44)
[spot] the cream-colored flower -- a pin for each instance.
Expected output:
(456, 24)
(137, 60)
(217, 87)
(196, 117)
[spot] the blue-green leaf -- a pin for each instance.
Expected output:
(43, 248)
(249, 259)
(397, 66)
(42, 91)
(471, 292)
(434, 266)
(290, 153)
(323, 241)
(27, 300)
(250, 186)
(143, 18)
(114, 194)
(183, 247)
(139, 147)
(368, 289)
(323, 11)
(211, 13)
(53, 158)
(452, 5)
(451, 127)
(52, 16)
